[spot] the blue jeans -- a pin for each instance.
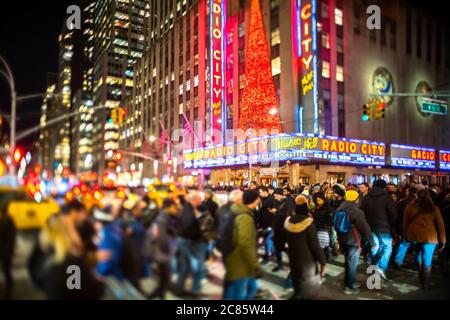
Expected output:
(382, 254)
(241, 289)
(401, 252)
(351, 254)
(268, 243)
(192, 256)
(425, 254)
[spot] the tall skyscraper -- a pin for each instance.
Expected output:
(119, 40)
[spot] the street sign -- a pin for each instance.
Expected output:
(433, 106)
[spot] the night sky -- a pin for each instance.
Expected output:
(29, 33)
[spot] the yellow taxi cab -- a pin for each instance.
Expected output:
(158, 192)
(25, 211)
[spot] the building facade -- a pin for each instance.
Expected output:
(326, 65)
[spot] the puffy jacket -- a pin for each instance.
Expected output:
(111, 239)
(358, 219)
(380, 210)
(424, 227)
(242, 262)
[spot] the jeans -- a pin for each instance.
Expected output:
(382, 254)
(268, 243)
(351, 254)
(401, 252)
(425, 254)
(192, 256)
(164, 280)
(241, 289)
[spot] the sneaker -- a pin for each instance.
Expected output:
(347, 290)
(265, 261)
(356, 286)
(382, 274)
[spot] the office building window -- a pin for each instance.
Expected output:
(325, 69)
(408, 33)
(419, 38)
(338, 19)
(325, 40)
(339, 45)
(339, 73)
(275, 37)
(276, 66)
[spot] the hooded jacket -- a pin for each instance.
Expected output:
(380, 210)
(358, 219)
(305, 255)
(242, 262)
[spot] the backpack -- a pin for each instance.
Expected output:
(225, 233)
(341, 222)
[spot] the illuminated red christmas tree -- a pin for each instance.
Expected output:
(259, 104)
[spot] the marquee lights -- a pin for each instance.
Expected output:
(217, 31)
(444, 159)
(412, 157)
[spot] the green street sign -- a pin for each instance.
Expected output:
(433, 106)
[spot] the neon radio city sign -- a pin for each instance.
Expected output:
(217, 13)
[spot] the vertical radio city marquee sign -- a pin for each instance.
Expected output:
(412, 157)
(292, 146)
(444, 159)
(306, 31)
(217, 36)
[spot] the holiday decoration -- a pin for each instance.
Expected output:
(259, 105)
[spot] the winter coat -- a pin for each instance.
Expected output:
(285, 208)
(305, 255)
(189, 226)
(111, 239)
(211, 206)
(55, 279)
(161, 239)
(266, 217)
(358, 219)
(380, 210)
(7, 237)
(322, 218)
(242, 262)
(401, 206)
(423, 227)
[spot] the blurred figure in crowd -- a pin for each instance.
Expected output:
(241, 263)
(253, 185)
(65, 274)
(306, 258)
(267, 211)
(445, 255)
(7, 245)
(424, 226)
(160, 245)
(284, 206)
(364, 189)
(192, 245)
(322, 220)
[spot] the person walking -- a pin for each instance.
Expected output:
(306, 258)
(7, 245)
(285, 207)
(241, 264)
(268, 208)
(424, 226)
(192, 245)
(381, 214)
(323, 222)
(351, 226)
(160, 245)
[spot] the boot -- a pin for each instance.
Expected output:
(426, 275)
(420, 272)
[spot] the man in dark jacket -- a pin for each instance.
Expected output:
(192, 246)
(266, 215)
(381, 214)
(160, 245)
(7, 245)
(305, 254)
(211, 205)
(350, 242)
(285, 207)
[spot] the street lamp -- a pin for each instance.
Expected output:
(12, 137)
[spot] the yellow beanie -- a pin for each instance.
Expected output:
(351, 196)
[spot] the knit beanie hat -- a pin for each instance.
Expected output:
(250, 196)
(278, 191)
(339, 190)
(380, 183)
(351, 196)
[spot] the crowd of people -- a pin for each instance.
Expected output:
(132, 240)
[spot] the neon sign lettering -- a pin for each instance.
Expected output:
(444, 160)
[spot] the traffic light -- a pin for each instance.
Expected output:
(122, 115)
(118, 156)
(379, 112)
(115, 114)
(17, 156)
(367, 112)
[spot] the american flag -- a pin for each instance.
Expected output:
(164, 137)
(187, 128)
